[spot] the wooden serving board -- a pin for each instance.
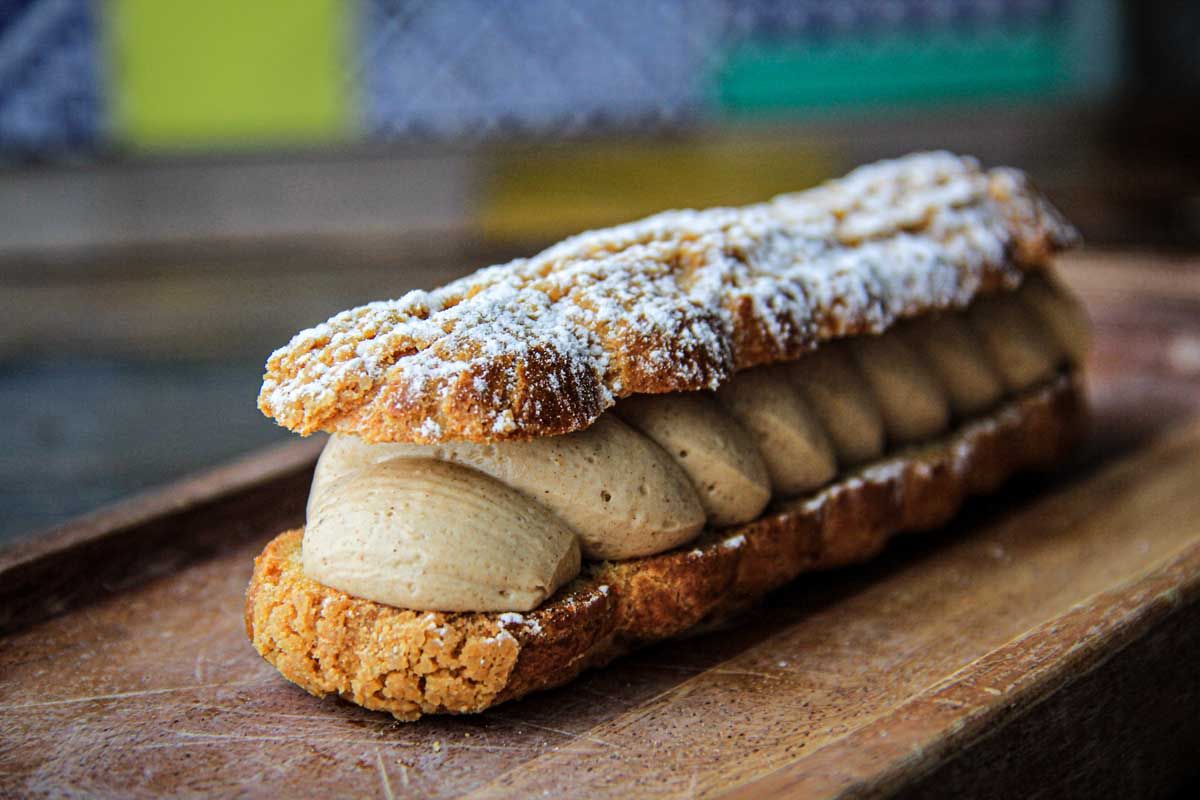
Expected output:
(1046, 641)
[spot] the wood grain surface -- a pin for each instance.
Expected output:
(1045, 642)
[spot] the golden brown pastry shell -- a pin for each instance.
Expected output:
(411, 663)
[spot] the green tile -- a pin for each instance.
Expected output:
(896, 69)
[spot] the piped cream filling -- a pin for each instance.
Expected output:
(500, 527)
(422, 533)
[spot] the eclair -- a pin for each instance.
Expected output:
(641, 430)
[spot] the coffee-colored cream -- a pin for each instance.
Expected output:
(341, 456)
(618, 490)
(839, 395)
(429, 535)
(714, 450)
(1017, 342)
(1061, 313)
(959, 360)
(467, 526)
(794, 446)
(911, 399)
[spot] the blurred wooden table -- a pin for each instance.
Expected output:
(1046, 642)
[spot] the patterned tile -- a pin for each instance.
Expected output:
(50, 95)
(477, 68)
(462, 69)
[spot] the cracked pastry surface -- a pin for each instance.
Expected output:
(676, 302)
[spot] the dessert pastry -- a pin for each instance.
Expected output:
(544, 464)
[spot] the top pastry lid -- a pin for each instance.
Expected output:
(675, 302)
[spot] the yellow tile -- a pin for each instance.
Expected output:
(228, 72)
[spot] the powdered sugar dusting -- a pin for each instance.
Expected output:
(514, 618)
(678, 301)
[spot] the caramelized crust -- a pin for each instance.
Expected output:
(411, 663)
(676, 302)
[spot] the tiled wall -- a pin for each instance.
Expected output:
(80, 75)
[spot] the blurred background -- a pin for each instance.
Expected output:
(184, 185)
